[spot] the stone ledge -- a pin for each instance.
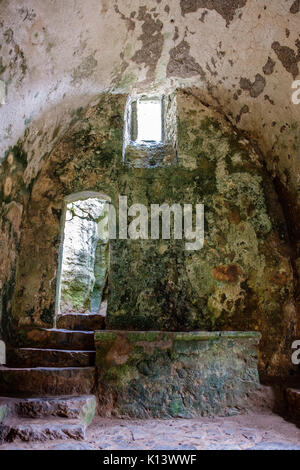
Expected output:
(150, 155)
(158, 374)
(176, 335)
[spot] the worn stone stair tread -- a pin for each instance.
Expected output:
(56, 338)
(42, 421)
(43, 368)
(28, 429)
(80, 315)
(80, 321)
(58, 350)
(68, 331)
(49, 357)
(83, 316)
(80, 407)
(38, 381)
(86, 315)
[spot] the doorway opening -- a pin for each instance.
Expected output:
(84, 255)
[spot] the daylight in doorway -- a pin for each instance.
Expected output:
(85, 256)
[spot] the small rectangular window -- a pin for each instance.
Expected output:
(149, 120)
(150, 131)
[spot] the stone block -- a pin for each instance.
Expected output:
(169, 375)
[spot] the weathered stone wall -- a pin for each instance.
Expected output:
(244, 54)
(56, 57)
(242, 279)
(176, 375)
(14, 196)
(84, 160)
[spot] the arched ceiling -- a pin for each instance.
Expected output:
(243, 55)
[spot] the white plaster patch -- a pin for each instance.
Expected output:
(51, 41)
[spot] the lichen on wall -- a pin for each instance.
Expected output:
(13, 197)
(243, 55)
(152, 374)
(84, 160)
(242, 279)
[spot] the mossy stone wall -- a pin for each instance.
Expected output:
(242, 278)
(176, 375)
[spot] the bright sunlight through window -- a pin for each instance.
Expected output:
(149, 121)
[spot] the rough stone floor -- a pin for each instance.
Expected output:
(250, 431)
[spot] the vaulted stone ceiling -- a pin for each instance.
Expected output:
(56, 56)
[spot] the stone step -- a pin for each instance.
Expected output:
(293, 401)
(34, 357)
(79, 407)
(80, 321)
(43, 381)
(27, 429)
(57, 339)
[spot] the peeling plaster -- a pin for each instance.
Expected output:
(152, 42)
(182, 64)
(295, 8)
(255, 88)
(226, 8)
(288, 57)
(56, 57)
(268, 68)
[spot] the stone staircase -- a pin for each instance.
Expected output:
(47, 382)
(39, 419)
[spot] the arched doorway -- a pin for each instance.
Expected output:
(84, 255)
